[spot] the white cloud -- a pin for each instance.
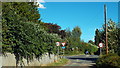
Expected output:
(41, 5)
(39, 2)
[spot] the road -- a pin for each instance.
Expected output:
(85, 61)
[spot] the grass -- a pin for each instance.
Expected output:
(60, 62)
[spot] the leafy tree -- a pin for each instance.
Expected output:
(52, 28)
(73, 36)
(23, 38)
(112, 37)
(90, 41)
(118, 38)
(76, 32)
(20, 11)
(97, 37)
(27, 40)
(62, 33)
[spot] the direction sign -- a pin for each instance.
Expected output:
(63, 47)
(57, 43)
(63, 43)
(101, 45)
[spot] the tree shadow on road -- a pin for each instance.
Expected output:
(87, 59)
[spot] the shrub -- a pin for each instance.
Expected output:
(109, 61)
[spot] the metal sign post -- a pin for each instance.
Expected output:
(63, 47)
(58, 51)
(58, 44)
(101, 46)
(100, 51)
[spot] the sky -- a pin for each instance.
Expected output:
(89, 16)
(80, 0)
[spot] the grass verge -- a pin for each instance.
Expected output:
(60, 62)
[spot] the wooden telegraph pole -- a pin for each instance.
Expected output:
(106, 39)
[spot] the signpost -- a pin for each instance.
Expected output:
(63, 46)
(58, 44)
(100, 46)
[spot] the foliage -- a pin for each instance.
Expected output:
(22, 35)
(109, 61)
(89, 47)
(25, 36)
(76, 32)
(60, 62)
(73, 36)
(99, 36)
(54, 28)
(67, 53)
(113, 37)
(91, 42)
(28, 40)
(19, 11)
(77, 46)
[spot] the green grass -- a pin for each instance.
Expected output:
(60, 62)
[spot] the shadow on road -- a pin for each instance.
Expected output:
(83, 61)
(88, 59)
(84, 57)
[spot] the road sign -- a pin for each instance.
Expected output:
(57, 43)
(101, 45)
(63, 47)
(63, 43)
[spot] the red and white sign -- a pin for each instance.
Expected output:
(57, 43)
(101, 45)
(63, 43)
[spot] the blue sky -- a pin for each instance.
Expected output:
(81, 0)
(87, 15)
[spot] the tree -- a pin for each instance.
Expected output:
(97, 37)
(90, 41)
(23, 38)
(19, 11)
(62, 33)
(112, 37)
(76, 32)
(73, 36)
(52, 28)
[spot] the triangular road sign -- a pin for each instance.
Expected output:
(63, 44)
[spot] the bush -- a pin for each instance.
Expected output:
(109, 61)
(72, 53)
(28, 40)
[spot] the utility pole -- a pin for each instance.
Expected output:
(106, 39)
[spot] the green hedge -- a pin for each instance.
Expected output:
(108, 61)
(27, 40)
